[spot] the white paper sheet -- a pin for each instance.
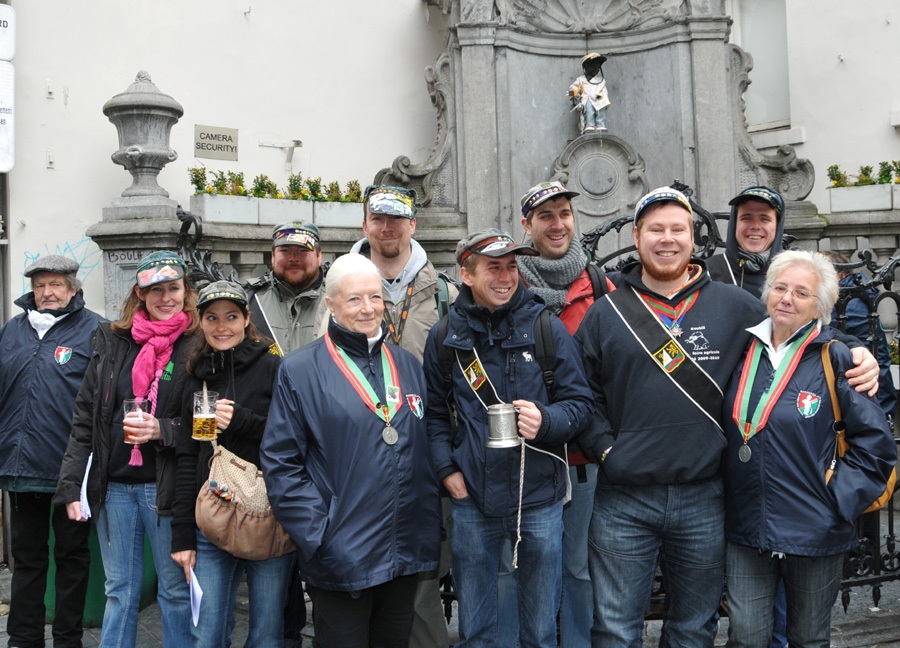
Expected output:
(85, 507)
(196, 597)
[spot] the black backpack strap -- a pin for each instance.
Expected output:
(599, 284)
(445, 353)
(544, 347)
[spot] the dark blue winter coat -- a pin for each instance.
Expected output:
(360, 511)
(778, 500)
(39, 379)
(504, 342)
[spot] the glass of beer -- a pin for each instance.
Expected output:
(205, 415)
(135, 408)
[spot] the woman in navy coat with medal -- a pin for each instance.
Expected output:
(783, 518)
(347, 467)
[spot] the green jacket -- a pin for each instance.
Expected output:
(287, 317)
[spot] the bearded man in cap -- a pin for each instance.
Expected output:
(565, 279)
(285, 302)
(46, 351)
(415, 298)
(503, 493)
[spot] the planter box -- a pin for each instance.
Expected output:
(867, 198)
(274, 212)
(335, 214)
(226, 209)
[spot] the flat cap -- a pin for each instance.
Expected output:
(491, 242)
(52, 263)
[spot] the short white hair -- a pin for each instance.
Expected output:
(817, 263)
(344, 266)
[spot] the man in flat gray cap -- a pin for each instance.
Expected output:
(46, 351)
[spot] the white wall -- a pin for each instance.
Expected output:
(844, 105)
(344, 76)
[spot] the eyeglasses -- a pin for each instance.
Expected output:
(780, 290)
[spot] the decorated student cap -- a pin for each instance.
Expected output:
(391, 201)
(766, 195)
(223, 290)
(541, 193)
(663, 194)
(491, 242)
(305, 235)
(160, 267)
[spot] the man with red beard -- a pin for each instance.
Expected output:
(658, 352)
(284, 302)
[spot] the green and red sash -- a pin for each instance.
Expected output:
(384, 411)
(750, 426)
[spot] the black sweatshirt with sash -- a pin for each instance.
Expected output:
(648, 419)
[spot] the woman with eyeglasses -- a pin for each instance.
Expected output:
(783, 518)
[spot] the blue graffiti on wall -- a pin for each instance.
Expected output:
(85, 252)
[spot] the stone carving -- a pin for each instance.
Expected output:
(605, 170)
(793, 177)
(598, 16)
(144, 117)
(433, 180)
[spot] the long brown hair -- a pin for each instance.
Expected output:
(202, 347)
(134, 302)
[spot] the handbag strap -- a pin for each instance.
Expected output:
(840, 441)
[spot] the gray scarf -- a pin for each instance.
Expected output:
(551, 279)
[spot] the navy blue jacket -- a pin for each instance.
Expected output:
(504, 342)
(360, 511)
(778, 501)
(39, 379)
(656, 434)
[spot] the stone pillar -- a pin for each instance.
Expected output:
(143, 218)
(478, 141)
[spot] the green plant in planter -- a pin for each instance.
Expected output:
(865, 176)
(333, 192)
(354, 192)
(236, 184)
(314, 185)
(296, 188)
(198, 180)
(220, 183)
(885, 173)
(265, 188)
(896, 166)
(838, 178)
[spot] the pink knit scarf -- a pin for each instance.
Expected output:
(157, 339)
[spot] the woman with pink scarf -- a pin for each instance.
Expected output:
(129, 486)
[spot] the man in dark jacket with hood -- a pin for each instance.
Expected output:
(754, 236)
(46, 351)
(503, 492)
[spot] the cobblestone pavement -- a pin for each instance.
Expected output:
(862, 626)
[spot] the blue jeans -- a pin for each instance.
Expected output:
(811, 585)
(779, 616)
(631, 526)
(576, 612)
(128, 513)
(477, 544)
(219, 574)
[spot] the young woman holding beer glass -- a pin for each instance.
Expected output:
(131, 478)
(234, 363)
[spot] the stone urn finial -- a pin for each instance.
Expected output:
(144, 117)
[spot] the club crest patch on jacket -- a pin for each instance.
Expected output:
(62, 354)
